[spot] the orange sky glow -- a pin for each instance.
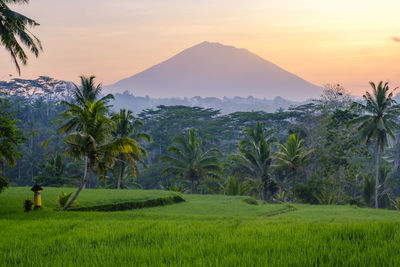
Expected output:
(346, 42)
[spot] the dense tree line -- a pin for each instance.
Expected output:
(319, 152)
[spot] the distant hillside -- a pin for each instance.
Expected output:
(226, 105)
(50, 88)
(216, 70)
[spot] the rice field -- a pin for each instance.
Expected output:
(206, 230)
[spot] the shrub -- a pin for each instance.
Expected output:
(3, 183)
(28, 204)
(63, 198)
(290, 206)
(130, 205)
(250, 201)
(355, 201)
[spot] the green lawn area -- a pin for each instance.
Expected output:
(206, 230)
(11, 200)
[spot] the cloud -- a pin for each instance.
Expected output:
(396, 39)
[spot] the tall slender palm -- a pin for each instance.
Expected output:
(14, 26)
(188, 161)
(292, 156)
(85, 93)
(377, 121)
(90, 131)
(126, 125)
(89, 91)
(255, 156)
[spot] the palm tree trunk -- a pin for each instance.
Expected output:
(377, 174)
(294, 184)
(85, 171)
(121, 172)
(396, 161)
(2, 168)
(339, 184)
(192, 181)
(265, 190)
(84, 181)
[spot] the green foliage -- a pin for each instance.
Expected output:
(378, 115)
(151, 177)
(292, 157)
(62, 199)
(89, 91)
(133, 204)
(236, 187)
(28, 205)
(126, 127)
(13, 27)
(339, 160)
(188, 161)
(250, 201)
(10, 135)
(355, 201)
(376, 122)
(55, 172)
(326, 196)
(115, 179)
(91, 133)
(3, 183)
(368, 190)
(306, 192)
(254, 158)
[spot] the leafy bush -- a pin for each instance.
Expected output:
(369, 190)
(3, 183)
(133, 204)
(250, 201)
(290, 206)
(326, 197)
(28, 204)
(316, 191)
(63, 198)
(355, 201)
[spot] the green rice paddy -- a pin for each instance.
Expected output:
(206, 230)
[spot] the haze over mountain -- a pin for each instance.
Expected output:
(216, 70)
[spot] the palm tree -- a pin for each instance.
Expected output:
(88, 91)
(254, 157)
(292, 157)
(188, 160)
(90, 138)
(14, 25)
(377, 121)
(126, 124)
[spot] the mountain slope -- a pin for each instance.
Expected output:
(215, 70)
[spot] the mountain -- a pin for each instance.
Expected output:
(216, 70)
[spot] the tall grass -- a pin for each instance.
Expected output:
(143, 242)
(203, 231)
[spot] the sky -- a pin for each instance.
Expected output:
(350, 42)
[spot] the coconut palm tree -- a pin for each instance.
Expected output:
(86, 93)
(89, 91)
(292, 156)
(188, 161)
(90, 131)
(254, 157)
(126, 125)
(376, 121)
(14, 26)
